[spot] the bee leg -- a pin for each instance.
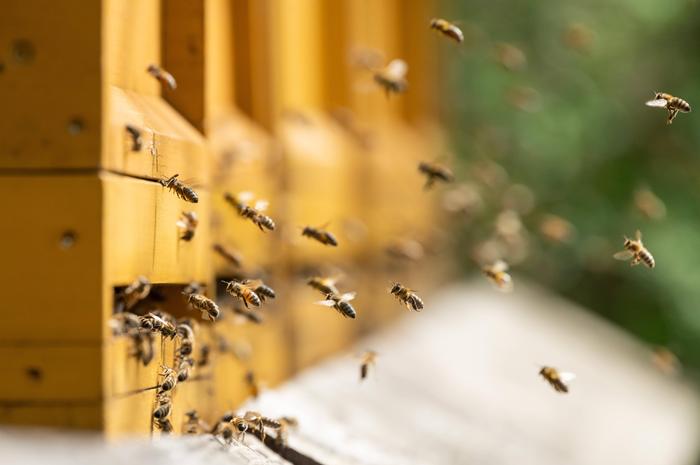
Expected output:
(671, 115)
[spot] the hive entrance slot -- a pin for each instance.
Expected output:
(167, 298)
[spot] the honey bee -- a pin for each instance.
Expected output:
(260, 288)
(259, 422)
(188, 224)
(321, 235)
(409, 298)
(324, 285)
(164, 406)
(435, 172)
(204, 353)
(154, 322)
(144, 350)
(672, 104)
(243, 292)
(634, 249)
(392, 78)
(164, 426)
(369, 358)
(497, 274)
(250, 315)
(231, 256)
(169, 380)
(252, 382)
(559, 381)
(186, 334)
(209, 309)
(183, 370)
(164, 77)
(182, 191)
(135, 134)
(448, 29)
(135, 292)
(341, 303)
(254, 213)
(193, 288)
(192, 424)
(286, 423)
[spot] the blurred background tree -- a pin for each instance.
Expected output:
(546, 100)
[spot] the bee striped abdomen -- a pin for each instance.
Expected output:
(680, 104)
(647, 258)
(346, 309)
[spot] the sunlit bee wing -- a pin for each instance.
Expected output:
(252, 283)
(658, 103)
(638, 235)
(566, 377)
(623, 255)
(261, 205)
(504, 282)
(182, 224)
(396, 70)
(348, 296)
(499, 266)
(245, 196)
(326, 303)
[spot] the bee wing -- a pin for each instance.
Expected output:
(181, 224)
(623, 255)
(499, 266)
(252, 283)
(506, 283)
(396, 69)
(326, 303)
(658, 103)
(245, 196)
(638, 235)
(567, 377)
(261, 205)
(348, 296)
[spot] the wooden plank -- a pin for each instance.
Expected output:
(56, 106)
(76, 415)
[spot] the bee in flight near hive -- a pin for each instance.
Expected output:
(183, 370)
(558, 380)
(135, 292)
(324, 285)
(209, 309)
(260, 288)
(164, 77)
(341, 303)
(188, 224)
(169, 380)
(193, 424)
(252, 383)
(407, 296)
(231, 256)
(392, 78)
(135, 135)
(320, 234)
(243, 292)
(448, 29)
(672, 104)
(634, 249)
(434, 172)
(497, 274)
(182, 191)
(254, 213)
(368, 358)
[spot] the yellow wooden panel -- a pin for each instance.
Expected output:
(52, 245)
(130, 43)
(129, 416)
(51, 373)
(141, 236)
(73, 415)
(125, 374)
(220, 79)
(53, 105)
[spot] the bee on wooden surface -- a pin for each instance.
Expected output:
(259, 422)
(254, 213)
(448, 29)
(250, 315)
(204, 354)
(135, 135)
(558, 380)
(193, 288)
(192, 424)
(260, 288)
(209, 309)
(434, 172)
(497, 274)
(180, 189)
(407, 296)
(164, 407)
(188, 224)
(392, 78)
(154, 322)
(406, 249)
(143, 347)
(164, 426)
(135, 292)
(186, 334)
(286, 423)
(634, 249)
(123, 323)
(672, 104)
(320, 235)
(341, 303)
(324, 285)
(169, 379)
(369, 359)
(164, 77)
(183, 370)
(252, 383)
(648, 204)
(231, 256)
(243, 292)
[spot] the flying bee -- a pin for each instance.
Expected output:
(321, 235)
(204, 304)
(164, 406)
(497, 274)
(182, 191)
(392, 78)
(188, 224)
(243, 292)
(252, 383)
(672, 104)
(250, 315)
(634, 249)
(324, 285)
(183, 371)
(341, 303)
(192, 423)
(434, 172)
(204, 353)
(558, 380)
(260, 288)
(135, 135)
(169, 380)
(409, 298)
(234, 258)
(369, 358)
(254, 213)
(164, 77)
(448, 29)
(135, 292)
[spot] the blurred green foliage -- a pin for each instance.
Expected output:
(570, 123)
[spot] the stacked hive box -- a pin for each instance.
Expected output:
(84, 216)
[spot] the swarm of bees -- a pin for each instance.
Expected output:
(673, 105)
